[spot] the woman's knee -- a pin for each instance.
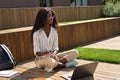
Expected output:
(75, 52)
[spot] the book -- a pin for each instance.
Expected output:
(40, 78)
(8, 73)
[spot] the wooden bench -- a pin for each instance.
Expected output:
(19, 42)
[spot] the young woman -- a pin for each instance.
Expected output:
(45, 43)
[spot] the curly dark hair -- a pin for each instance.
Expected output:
(41, 19)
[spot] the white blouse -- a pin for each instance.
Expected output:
(43, 43)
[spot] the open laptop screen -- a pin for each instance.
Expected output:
(81, 71)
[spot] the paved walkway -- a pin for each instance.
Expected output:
(112, 43)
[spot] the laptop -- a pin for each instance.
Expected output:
(82, 71)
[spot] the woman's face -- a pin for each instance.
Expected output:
(50, 18)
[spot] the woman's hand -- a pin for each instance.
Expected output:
(56, 58)
(53, 55)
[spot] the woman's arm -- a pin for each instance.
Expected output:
(55, 45)
(55, 51)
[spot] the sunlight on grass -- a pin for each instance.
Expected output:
(104, 55)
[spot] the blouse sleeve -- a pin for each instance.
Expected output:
(36, 42)
(55, 46)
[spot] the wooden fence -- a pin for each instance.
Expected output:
(70, 35)
(23, 17)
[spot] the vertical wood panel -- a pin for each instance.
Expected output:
(1, 18)
(11, 43)
(18, 48)
(22, 46)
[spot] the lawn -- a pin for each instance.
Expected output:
(104, 55)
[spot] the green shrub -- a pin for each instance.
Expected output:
(111, 10)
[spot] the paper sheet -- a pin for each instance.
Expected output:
(8, 73)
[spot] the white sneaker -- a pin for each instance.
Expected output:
(48, 69)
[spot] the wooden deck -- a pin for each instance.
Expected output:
(104, 71)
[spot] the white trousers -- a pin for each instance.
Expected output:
(50, 62)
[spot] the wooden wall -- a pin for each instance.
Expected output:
(23, 17)
(70, 35)
(18, 3)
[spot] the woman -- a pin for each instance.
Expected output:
(45, 43)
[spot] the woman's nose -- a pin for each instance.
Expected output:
(52, 18)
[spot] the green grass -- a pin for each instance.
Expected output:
(104, 55)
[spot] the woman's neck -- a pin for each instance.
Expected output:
(46, 27)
